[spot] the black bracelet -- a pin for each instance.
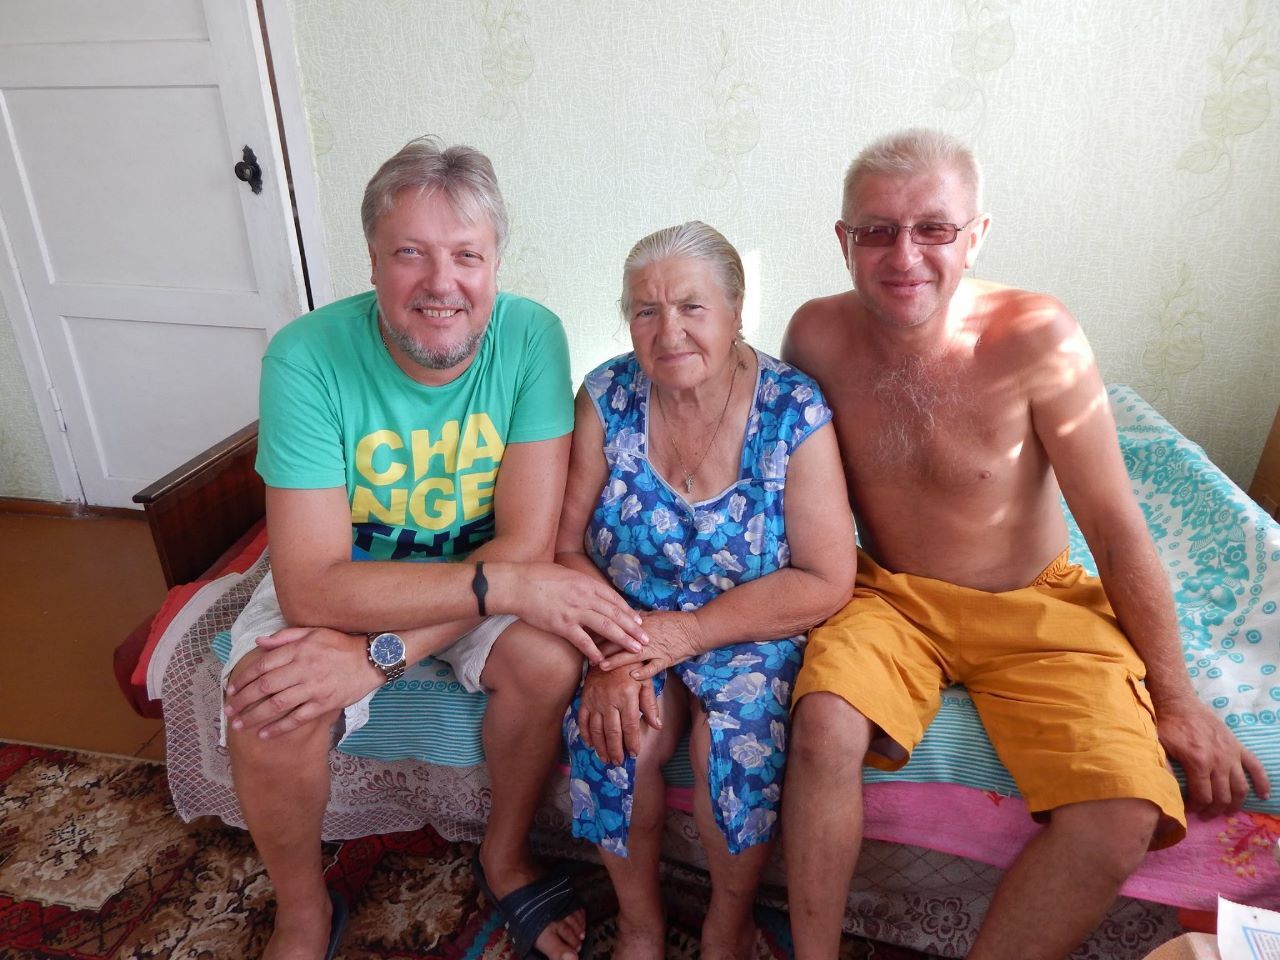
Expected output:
(480, 586)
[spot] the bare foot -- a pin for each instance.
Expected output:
(300, 934)
(639, 941)
(560, 939)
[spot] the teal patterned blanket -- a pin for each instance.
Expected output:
(1222, 554)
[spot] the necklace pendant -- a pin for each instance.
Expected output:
(688, 483)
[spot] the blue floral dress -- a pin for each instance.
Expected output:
(663, 553)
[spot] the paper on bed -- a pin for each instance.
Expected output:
(1247, 933)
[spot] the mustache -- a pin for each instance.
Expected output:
(436, 303)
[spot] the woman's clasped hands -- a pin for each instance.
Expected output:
(672, 638)
(617, 703)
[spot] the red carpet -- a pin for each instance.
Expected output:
(95, 865)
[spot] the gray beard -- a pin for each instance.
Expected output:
(432, 359)
(914, 394)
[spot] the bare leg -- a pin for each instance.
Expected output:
(283, 786)
(530, 677)
(1065, 878)
(822, 818)
(729, 929)
(642, 920)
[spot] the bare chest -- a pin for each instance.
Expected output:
(940, 430)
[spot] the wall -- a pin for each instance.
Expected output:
(25, 467)
(1129, 151)
(1130, 154)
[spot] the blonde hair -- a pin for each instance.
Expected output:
(910, 153)
(464, 174)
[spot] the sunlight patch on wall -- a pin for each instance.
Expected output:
(753, 268)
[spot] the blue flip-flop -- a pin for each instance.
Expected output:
(338, 924)
(527, 911)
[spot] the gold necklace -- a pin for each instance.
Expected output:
(671, 434)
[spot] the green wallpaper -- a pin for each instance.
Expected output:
(1130, 153)
(25, 468)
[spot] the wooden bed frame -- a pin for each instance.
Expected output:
(202, 509)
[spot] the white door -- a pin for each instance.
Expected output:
(152, 275)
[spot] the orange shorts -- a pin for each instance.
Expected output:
(1055, 682)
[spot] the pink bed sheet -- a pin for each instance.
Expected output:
(1234, 855)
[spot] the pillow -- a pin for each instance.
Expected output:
(134, 654)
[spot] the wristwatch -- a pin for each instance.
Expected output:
(386, 652)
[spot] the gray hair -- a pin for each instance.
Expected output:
(688, 241)
(464, 174)
(910, 153)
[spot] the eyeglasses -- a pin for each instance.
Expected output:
(926, 233)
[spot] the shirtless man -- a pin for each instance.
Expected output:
(962, 408)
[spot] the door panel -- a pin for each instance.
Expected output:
(115, 159)
(79, 21)
(129, 371)
(154, 277)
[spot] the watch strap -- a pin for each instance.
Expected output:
(480, 586)
(395, 671)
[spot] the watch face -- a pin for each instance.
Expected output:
(386, 649)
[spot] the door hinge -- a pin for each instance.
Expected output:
(57, 409)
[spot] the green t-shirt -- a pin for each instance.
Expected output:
(419, 463)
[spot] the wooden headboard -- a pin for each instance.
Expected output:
(1266, 481)
(202, 508)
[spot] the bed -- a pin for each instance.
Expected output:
(938, 832)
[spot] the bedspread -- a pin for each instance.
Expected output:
(1222, 555)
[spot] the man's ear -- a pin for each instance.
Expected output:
(842, 234)
(373, 266)
(977, 236)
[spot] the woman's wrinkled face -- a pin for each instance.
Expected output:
(683, 323)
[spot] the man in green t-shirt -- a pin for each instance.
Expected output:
(426, 420)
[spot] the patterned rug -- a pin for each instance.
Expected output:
(95, 865)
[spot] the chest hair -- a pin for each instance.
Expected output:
(927, 420)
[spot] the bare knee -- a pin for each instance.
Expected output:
(827, 733)
(678, 709)
(649, 791)
(534, 667)
(307, 743)
(1113, 834)
(657, 746)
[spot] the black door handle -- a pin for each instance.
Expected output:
(249, 171)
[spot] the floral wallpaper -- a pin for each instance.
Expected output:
(1130, 155)
(26, 469)
(1133, 181)
(1129, 150)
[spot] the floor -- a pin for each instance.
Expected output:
(70, 590)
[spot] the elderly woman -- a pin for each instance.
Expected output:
(705, 485)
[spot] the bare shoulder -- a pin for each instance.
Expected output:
(1025, 328)
(815, 328)
(1020, 315)
(1035, 342)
